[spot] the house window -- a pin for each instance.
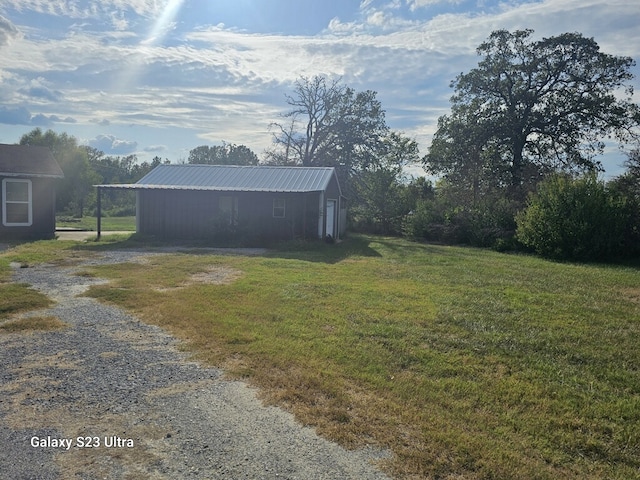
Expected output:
(16, 203)
(279, 207)
(228, 207)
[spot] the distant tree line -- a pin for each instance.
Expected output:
(85, 166)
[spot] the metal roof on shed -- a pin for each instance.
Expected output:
(234, 178)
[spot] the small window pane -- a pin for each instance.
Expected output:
(17, 213)
(17, 191)
(279, 209)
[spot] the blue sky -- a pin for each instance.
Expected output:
(160, 77)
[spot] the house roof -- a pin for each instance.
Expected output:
(28, 161)
(234, 178)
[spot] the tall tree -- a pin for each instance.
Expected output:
(329, 124)
(531, 107)
(382, 198)
(76, 189)
(225, 154)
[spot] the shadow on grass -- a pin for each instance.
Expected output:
(311, 251)
(317, 251)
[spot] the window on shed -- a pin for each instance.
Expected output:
(279, 207)
(17, 209)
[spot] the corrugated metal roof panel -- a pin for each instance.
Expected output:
(235, 178)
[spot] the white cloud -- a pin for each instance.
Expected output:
(155, 148)
(8, 31)
(417, 4)
(119, 21)
(109, 144)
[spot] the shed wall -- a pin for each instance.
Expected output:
(197, 214)
(43, 223)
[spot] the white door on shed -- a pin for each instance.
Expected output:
(331, 218)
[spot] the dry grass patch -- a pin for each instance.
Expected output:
(218, 275)
(213, 275)
(32, 324)
(631, 294)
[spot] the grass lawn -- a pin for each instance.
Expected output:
(16, 297)
(125, 224)
(465, 363)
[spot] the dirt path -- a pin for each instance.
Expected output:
(111, 397)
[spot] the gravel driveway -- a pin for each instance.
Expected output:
(111, 397)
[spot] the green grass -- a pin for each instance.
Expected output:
(124, 224)
(18, 298)
(465, 363)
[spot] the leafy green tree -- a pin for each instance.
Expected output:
(629, 182)
(462, 152)
(627, 185)
(61, 145)
(75, 191)
(225, 154)
(577, 219)
(117, 169)
(530, 108)
(382, 197)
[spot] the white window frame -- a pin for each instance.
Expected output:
(29, 202)
(278, 207)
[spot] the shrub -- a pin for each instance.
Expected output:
(488, 223)
(574, 219)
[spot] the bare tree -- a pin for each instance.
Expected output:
(329, 124)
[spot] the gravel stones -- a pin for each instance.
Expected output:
(133, 406)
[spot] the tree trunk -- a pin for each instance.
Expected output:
(517, 169)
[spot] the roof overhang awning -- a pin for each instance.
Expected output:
(201, 188)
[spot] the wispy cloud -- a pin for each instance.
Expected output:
(39, 89)
(8, 31)
(86, 9)
(416, 4)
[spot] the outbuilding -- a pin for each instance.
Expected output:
(27, 181)
(249, 204)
